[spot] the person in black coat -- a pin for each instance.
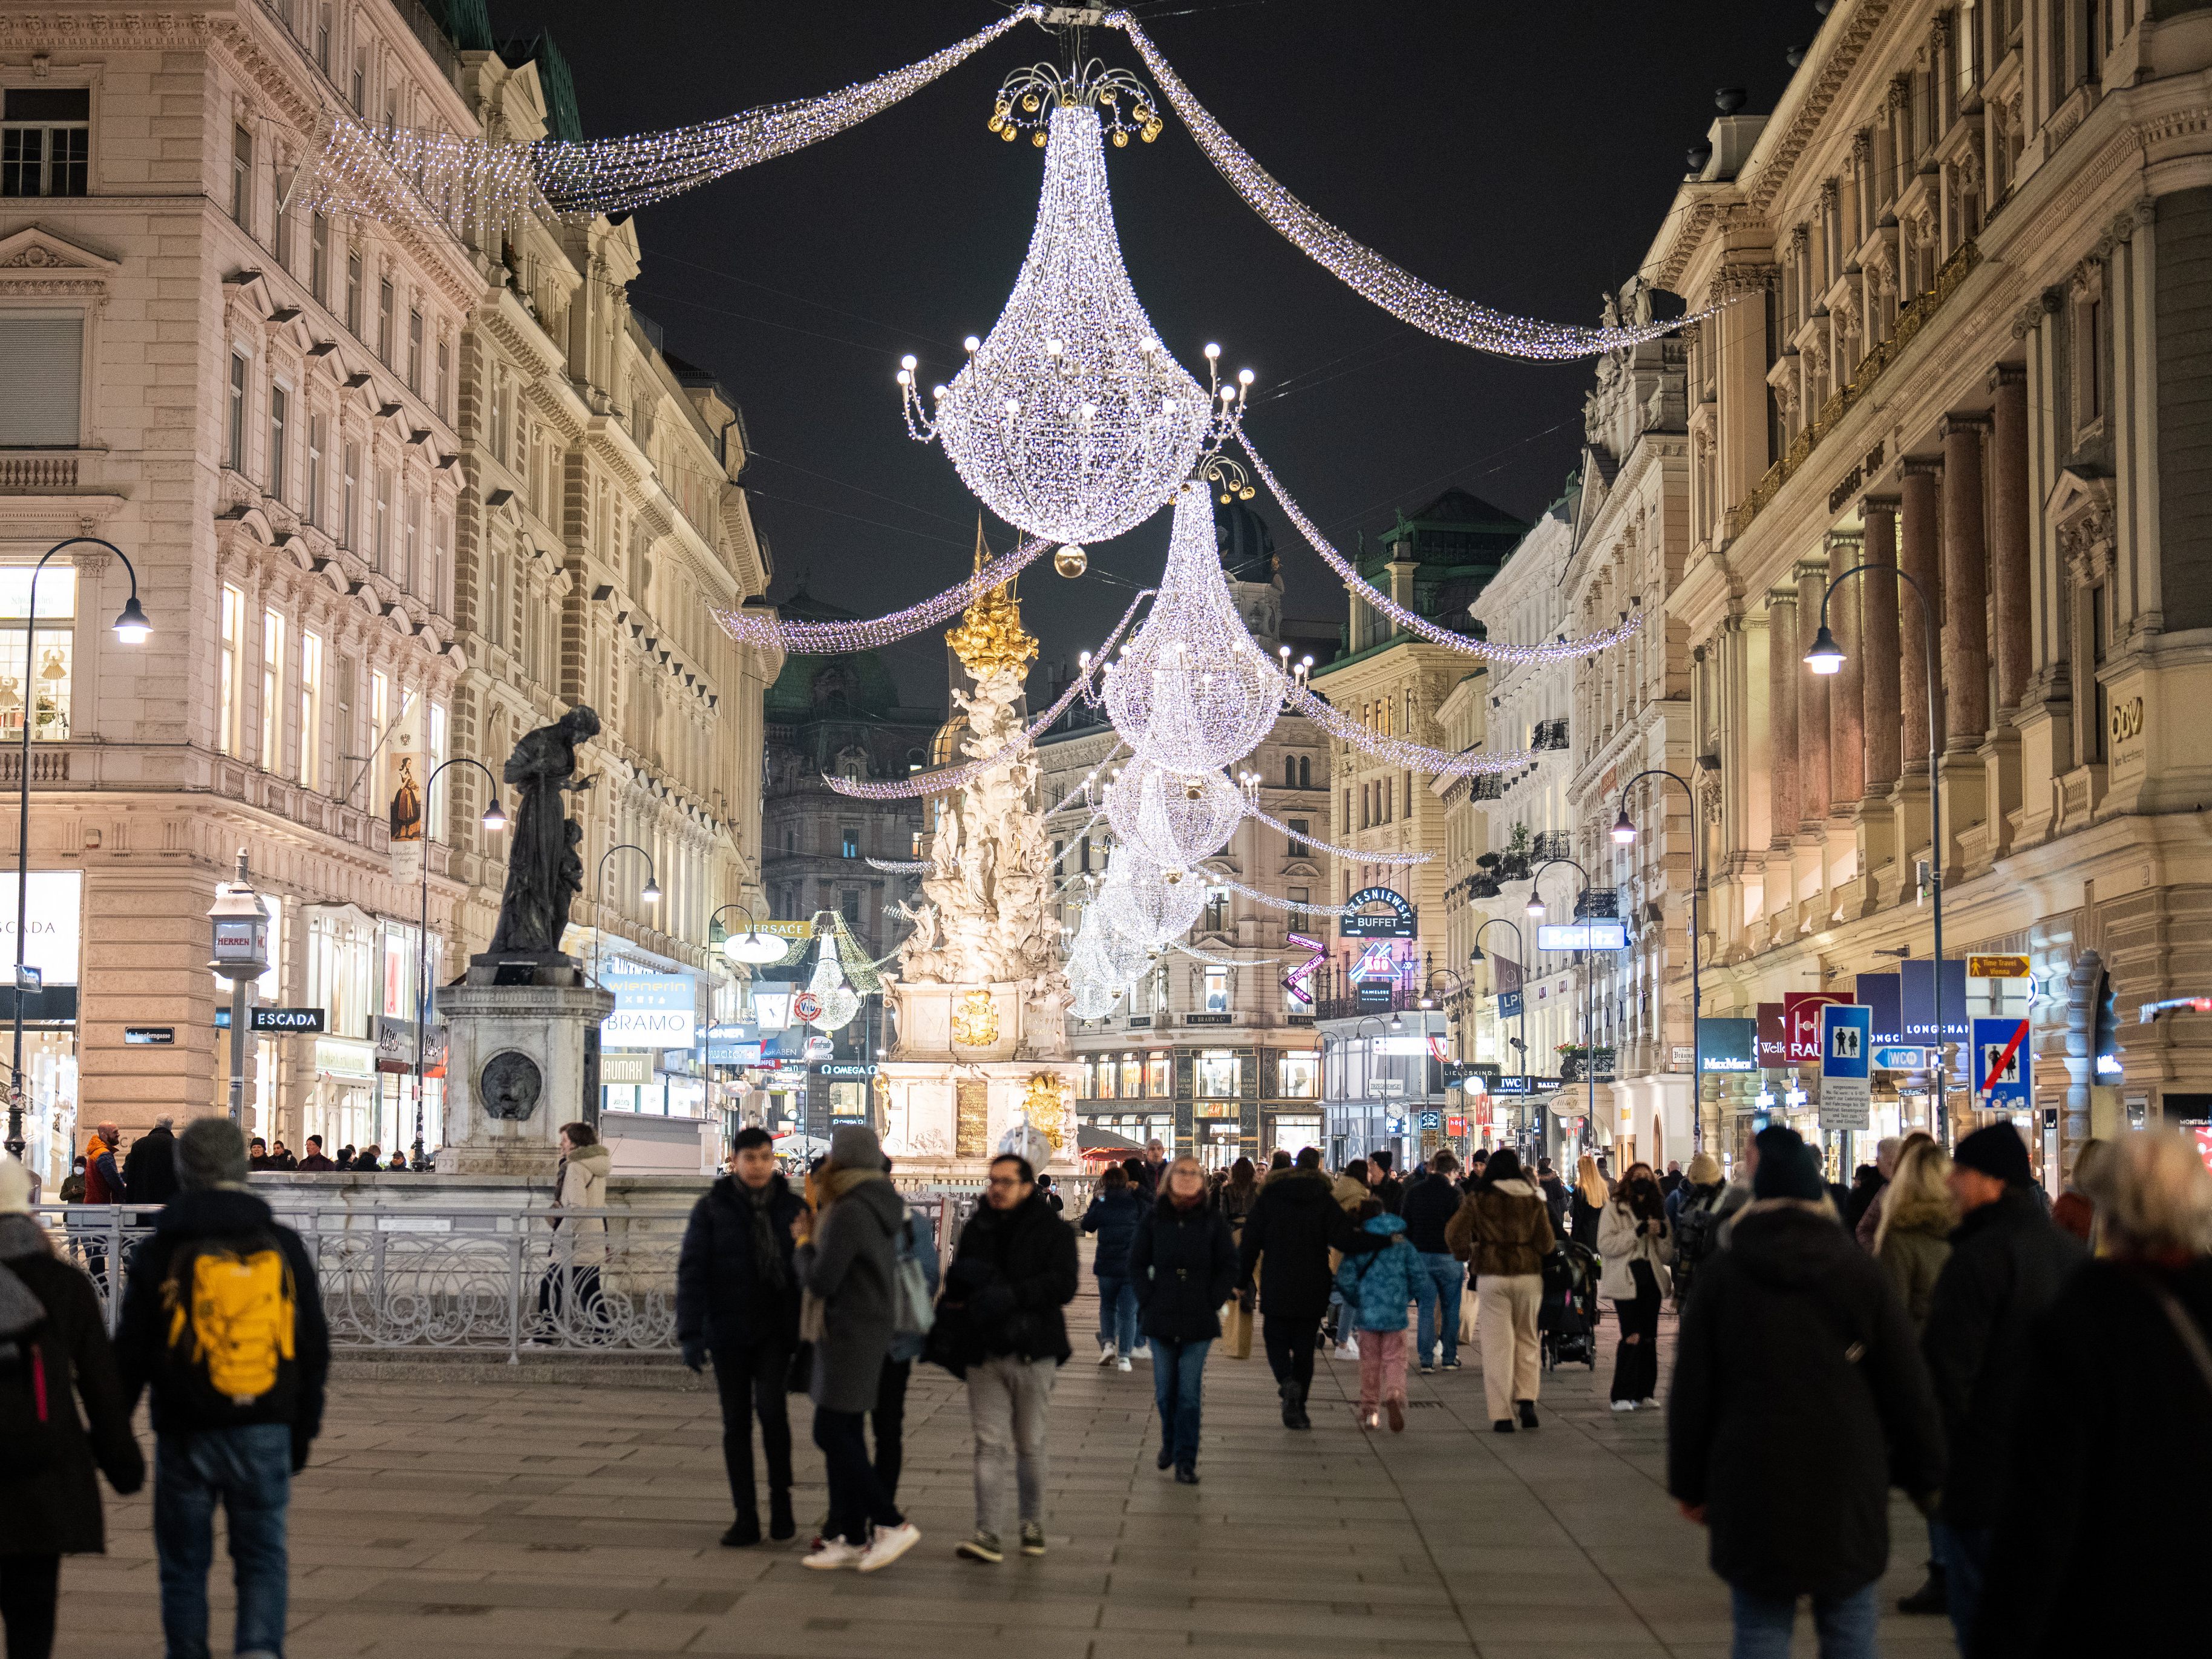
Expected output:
(2006, 1266)
(50, 1330)
(1113, 1214)
(1184, 1265)
(1799, 1396)
(149, 1170)
(1285, 1246)
(736, 1298)
(2105, 1523)
(1001, 1325)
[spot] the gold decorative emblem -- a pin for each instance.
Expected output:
(976, 1020)
(1045, 1105)
(990, 639)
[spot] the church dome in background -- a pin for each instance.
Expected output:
(1246, 546)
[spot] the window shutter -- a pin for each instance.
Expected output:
(42, 365)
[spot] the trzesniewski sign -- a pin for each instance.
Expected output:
(1392, 918)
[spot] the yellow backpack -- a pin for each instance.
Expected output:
(230, 1307)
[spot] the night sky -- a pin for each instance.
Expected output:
(1519, 154)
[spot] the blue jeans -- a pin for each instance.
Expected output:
(1178, 1376)
(1965, 1553)
(1117, 1315)
(1844, 1624)
(249, 1470)
(1437, 1290)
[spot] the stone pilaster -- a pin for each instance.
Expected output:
(1918, 559)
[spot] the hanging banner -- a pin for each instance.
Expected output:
(1773, 1035)
(409, 761)
(1847, 1059)
(1801, 1012)
(1884, 993)
(1728, 1045)
(1918, 982)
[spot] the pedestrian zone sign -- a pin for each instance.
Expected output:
(2003, 1064)
(1846, 1065)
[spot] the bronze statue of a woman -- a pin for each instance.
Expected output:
(543, 874)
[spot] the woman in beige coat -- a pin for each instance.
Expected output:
(570, 1294)
(1637, 1244)
(1503, 1232)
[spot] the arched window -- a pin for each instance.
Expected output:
(1289, 773)
(1305, 772)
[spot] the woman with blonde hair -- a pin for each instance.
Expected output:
(1912, 1241)
(1590, 1195)
(2105, 1523)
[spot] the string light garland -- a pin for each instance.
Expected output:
(1070, 420)
(1366, 272)
(956, 777)
(1356, 854)
(1273, 902)
(903, 867)
(1397, 750)
(834, 638)
(1588, 644)
(1213, 961)
(454, 175)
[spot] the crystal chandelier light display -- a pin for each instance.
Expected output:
(1177, 820)
(1070, 419)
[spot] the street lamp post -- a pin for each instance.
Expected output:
(131, 628)
(1521, 944)
(749, 947)
(1624, 834)
(494, 820)
(650, 892)
(1589, 973)
(1826, 657)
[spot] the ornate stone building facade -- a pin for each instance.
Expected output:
(1966, 268)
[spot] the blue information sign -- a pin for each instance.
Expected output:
(1847, 1065)
(2004, 1065)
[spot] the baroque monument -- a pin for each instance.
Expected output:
(980, 1055)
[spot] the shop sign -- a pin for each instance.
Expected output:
(1455, 1125)
(625, 1067)
(1386, 1085)
(296, 1021)
(1801, 1013)
(1401, 1047)
(1214, 1108)
(846, 1068)
(1394, 920)
(1919, 986)
(53, 925)
(1728, 1045)
(1773, 1035)
(652, 1011)
(733, 1054)
(1598, 933)
(395, 1045)
(1508, 1004)
(1510, 1083)
(345, 1059)
(1375, 993)
(1209, 1019)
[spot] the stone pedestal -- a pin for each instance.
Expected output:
(943, 1119)
(515, 1070)
(1006, 1020)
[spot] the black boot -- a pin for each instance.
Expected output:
(1295, 1411)
(743, 1533)
(1289, 1392)
(781, 1526)
(1528, 1413)
(1931, 1597)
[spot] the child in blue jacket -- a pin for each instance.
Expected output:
(1377, 1288)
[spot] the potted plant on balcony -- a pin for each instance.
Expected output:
(1513, 865)
(1571, 1055)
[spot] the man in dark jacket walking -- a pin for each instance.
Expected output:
(215, 1298)
(1799, 1395)
(1431, 1202)
(736, 1298)
(149, 1170)
(1287, 1239)
(1555, 1196)
(1000, 1325)
(2006, 1266)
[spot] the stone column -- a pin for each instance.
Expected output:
(1785, 666)
(1812, 697)
(1918, 560)
(1965, 585)
(2008, 533)
(1847, 732)
(1880, 686)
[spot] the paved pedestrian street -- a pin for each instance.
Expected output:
(473, 1516)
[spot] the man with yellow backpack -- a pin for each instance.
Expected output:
(224, 1319)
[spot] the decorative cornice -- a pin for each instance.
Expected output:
(1831, 70)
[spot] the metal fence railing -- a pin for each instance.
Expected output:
(465, 1279)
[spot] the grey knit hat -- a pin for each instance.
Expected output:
(212, 1153)
(855, 1147)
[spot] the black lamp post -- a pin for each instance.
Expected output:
(650, 892)
(1624, 834)
(1826, 657)
(1589, 1032)
(494, 820)
(1521, 944)
(131, 628)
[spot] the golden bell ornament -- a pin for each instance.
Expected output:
(1006, 133)
(1037, 138)
(1120, 140)
(1071, 561)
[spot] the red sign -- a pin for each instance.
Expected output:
(1773, 1035)
(1455, 1126)
(806, 1008)
(1800, 1018)
(2202, 1134)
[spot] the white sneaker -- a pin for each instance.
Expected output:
(1121, 1365)
(889, 1544)
(1624, 1405)
(1106, 1354)
(835, 1553)
(1646, 1404)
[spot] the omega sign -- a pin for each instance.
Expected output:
(1395, 919)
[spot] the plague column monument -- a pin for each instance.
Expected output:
(980, 1058)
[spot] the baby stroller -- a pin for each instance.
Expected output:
(1566, 1322)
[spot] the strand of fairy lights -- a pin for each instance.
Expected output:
(832, 638)
(1397, 750)
(1412, 621)
(1213, 961)
(955, 777)
(1069, 418)
(1358, 854)
(1270, 900)
(902, 866)
(1366, 272)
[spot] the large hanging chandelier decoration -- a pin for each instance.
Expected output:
(1070, 420)
(1173, 818)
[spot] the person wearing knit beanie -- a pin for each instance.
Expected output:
(1787, 1167)
(1997, 1152)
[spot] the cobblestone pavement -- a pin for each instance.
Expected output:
(482, 1518)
